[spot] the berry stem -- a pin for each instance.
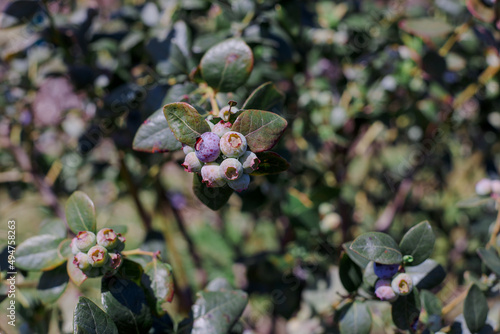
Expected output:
(213, 102)
(139, 251)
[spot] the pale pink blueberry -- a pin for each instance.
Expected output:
(384, 291)
(249, 161)
(81, 261)
(231, 169)
(483, 187)
(212, 176)
(85, 240)
(187, 149)
(495, 186)
(107, 238)
(222, 128)
(233, 144)
(240, 184)
(192, 164)
(98, 256)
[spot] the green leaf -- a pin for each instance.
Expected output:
(75, 274)
(54, 227)
(431, 303)
(227, 65)
(52, 284)
(265, 97)
(262, 129)
(214, 198)
(125, 302)
(378, 247)
(426, 275)
(218, 284)
(418, 242)
(40, 252)
(80, 213)
(474, 202)
(178, 53)
(426, 27)
(161, 281)
(155, 136)
(490, 259)
(355, 318)
(185, 122)
(358, 259)
(369, 276)
(406, 311)
(217, 312)
(350, 273)
(88, 318)
(475, 309)
(270, 163)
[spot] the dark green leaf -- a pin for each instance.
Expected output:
(214, 198)
(54, 227)
(430, 302)
(426, 275)
(161, 281)
(350, 273)
(378, 247)
(125, 302)
(475, 309)
(406, 311)
(130, 270)
(227, 65)
(40, 252)
(270, 163)
(75, 274)
(185, 122)
(155, 136)
(217, 312)
(426, 27)
(262, 129)
(90, 319)
(358, 259)
(369, 275)
(80, 213)
(490, 259)
(52, 284)
(177, 46)
(265, 97)
(418, 242)
(355, 318)
(475, 202)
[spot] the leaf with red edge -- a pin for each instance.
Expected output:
(75, 274)
(270, 163)
(155, 136)
(185, 122)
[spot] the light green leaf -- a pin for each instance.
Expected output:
(80, 213)
(378, 247)
(40, 252)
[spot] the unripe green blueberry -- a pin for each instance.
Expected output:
(81, 261)
(107, 238)
(240, 184)
(483, 187)
(192, 164)
(98, 256)
(249, 161)
(222, 128)
(233, 144)
(384, 291)
(402, 284)
(85, 240)
(212, 176)
(115, 261)
(231, 169)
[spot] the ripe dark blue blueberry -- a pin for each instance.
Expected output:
(385, 271)
(207, 147)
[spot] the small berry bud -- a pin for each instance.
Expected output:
(402, 284)
(85, 240)
(225, 112)
(483, 187)
(240, 184)
(74, 249)
(249, 161)
(81, 261)
(187, 149)
(115, 261)
(212, 176)
(385, 271)
(384, 291)
(231, 169)
(192, 164)
(98, 256)
(222, 128)
(107, 238)
(207, 147)
(233, 144)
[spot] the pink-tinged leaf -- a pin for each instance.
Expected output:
(270, 163)
(75, 274)
(186, 123)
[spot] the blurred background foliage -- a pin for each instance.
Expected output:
(393, 115)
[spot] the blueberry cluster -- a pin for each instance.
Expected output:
(221, 157)
(390, 284)
(98, 255)
(486, 187)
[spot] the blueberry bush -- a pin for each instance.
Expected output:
(249, 166)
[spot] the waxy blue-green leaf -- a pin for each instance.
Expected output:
(265, 97)
(80, 213)
(88, 318)
(490, 259)
(355, 318)
(40, 252)
(52, 284)
(155, 136)
(215, 312)
(158, 277)
(185, 122)
(475, 309)
(350, 273)
(75, 274)
(227, 65)
(418, 242)
(406, 311)
(262, 129)
(378, 247)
